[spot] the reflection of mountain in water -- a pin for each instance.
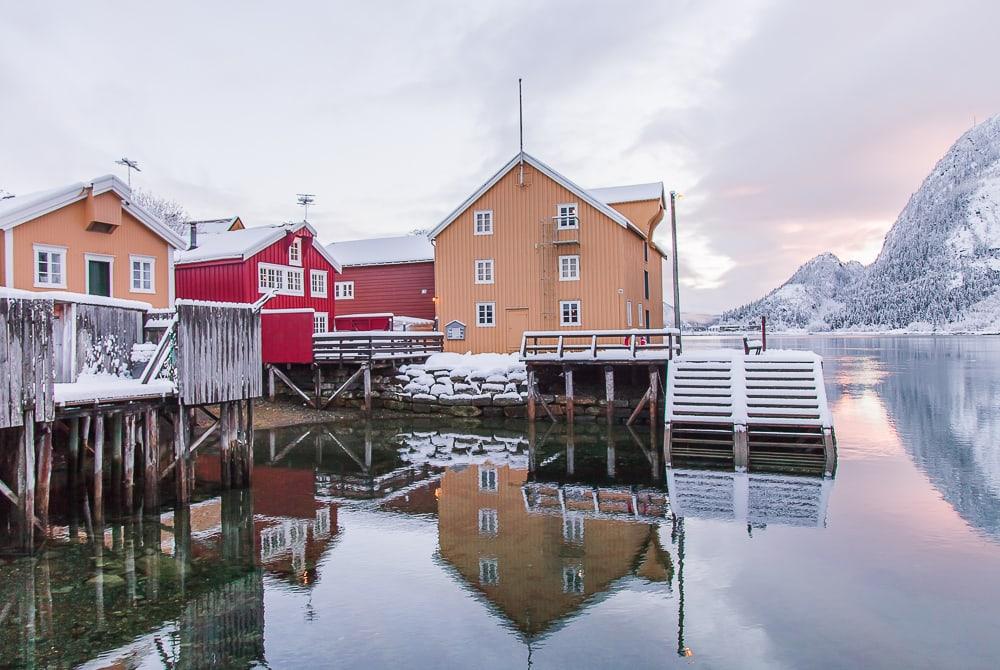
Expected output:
(945, 395)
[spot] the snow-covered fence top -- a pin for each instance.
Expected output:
(370, 345)
(646, 344)
(218, 352)
(26, 360)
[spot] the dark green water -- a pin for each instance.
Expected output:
(406, 545)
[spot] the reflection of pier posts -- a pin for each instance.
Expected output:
(151, 462)
(570, 449)
(532, 455)
(182, 544)
(237, 526)
(368, 447)
(611, 453)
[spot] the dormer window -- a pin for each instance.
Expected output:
(295, 252)
(566, 216)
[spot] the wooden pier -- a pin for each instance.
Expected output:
(208, 355)
(625, 352)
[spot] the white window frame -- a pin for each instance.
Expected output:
(295, 272)
(639, 314)
(486, 216)
(132, 260)
(100, 258)
(563, 215)
(628, 313)
(321, 317)
(493, 315)
(313, 276)
(573, 578)
(489, 522)
(295, 252)
(574, 264)
(279, 278)
(573, 528)
(579, 313)
(488, 478)
(341, 289)
(483, 272)
(48, 249)
(489, 571)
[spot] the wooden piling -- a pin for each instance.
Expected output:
(225, 445)
(44, 474)
(667, 458)
(568, 376)
(654, 394)
(318, 384)
(99, 470)
(26, 480)
(532, 408)
(73, 451)
(82, 464)
(741, 448)
(368, 389)
(270, 383)
(128, 465)
(609, 393)
(181, 455)
(151, 461)
(829, 452)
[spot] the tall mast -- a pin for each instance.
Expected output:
(520, 131)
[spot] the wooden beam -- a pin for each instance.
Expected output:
(829, 452)
(343, 387)
(290, 384)
(638, 408)
(151, 461)
(204, 410)
(568, 378)
(9, 494)
(654, 394)
(609, 393)
(99, 470)
(44, 473)
(128, 465)
(181, 455)
(741, 448)
(532, 410)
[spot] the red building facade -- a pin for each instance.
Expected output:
(243, 265)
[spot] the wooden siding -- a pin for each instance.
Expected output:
(221, 281)
(103, 335)
(405, 289)
(646, 214)
(526, 271)
(26, 361)
(67, 227)
(286, 337)
(218, 354)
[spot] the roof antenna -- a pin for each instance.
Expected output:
(520, 131)
(305, 199)
(130, 165)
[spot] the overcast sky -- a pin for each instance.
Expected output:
(791, 128)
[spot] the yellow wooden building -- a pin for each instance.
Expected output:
(531, 250)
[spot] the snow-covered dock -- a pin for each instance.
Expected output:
(754, 411)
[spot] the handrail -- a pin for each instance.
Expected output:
(630, 343)
(161, 352)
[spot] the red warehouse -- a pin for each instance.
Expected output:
(386, 282)
(242, 265)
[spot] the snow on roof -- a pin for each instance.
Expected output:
(240, 244)
(383, 250)
(632, 193)
(208, 226)
(69, 296)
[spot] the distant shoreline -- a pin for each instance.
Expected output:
(844, 333)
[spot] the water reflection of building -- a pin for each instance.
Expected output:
(538, 568)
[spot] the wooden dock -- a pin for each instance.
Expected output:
(764, 411)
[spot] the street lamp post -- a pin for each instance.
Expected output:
(673, 233)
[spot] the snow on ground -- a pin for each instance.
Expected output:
(465, 379)
(92, 387)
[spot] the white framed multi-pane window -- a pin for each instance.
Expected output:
(320, 322)
(489, 571)
(628, 313)
(484, 271)
(482, 222)
(638, 315)
(317, 283)
(295, 252)
(293, 281)
(566, 216)
(50, 266)
(487, 478)
(489, 522)
(486, 314)
(569, 268)
(270, 277)
(142, 273)
(569, 313)
(343, 290)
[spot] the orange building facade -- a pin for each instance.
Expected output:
(531, 250)
(87, 238)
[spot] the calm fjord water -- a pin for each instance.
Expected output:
(423, 545)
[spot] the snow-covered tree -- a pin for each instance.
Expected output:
(169, 211)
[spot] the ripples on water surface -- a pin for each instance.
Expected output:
(430, 545)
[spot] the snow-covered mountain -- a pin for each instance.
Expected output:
(939, 266)
(810, 296)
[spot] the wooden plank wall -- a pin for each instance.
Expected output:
(113, 329)
(218, 353)
(26, 361)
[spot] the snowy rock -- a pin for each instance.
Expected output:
(493, 388)
(442, 389)
(503, 399)
(414, 387)
(496, 379)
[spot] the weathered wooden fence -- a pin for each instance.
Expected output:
(26, 361)
(99, 338)
(218, 353)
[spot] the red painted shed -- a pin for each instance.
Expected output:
(386, 275)
(242, 265)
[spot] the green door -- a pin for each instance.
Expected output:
(99, 277)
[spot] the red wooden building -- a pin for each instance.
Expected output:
(391, 278)
(242, 265)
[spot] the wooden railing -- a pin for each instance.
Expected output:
(601, 345)
(352, 346)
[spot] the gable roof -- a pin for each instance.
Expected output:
(246, 242)
(21, 209)
(631, 193)
(582, 193)
(383, 250)
(206, 226)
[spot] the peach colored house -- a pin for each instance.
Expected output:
(90, 238)
(531, 250)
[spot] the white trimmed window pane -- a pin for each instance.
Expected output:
(485, 314)
(569, 313)
(484, 222)
(566, 216)
(319, 322)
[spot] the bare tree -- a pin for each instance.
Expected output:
(169, 211)
(4, 194)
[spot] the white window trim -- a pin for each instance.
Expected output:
(35, 248)
(302, 281)
(493, 306)
(628, 313)
(565, 278)
(639, 314)
(338, 293)
(101, 258)
(325, 318)
(297, 245)
(560, 217)
(475, 221)
(270, 266)
(326, 283)
(152, 274)
(579, 313)
(489, 263)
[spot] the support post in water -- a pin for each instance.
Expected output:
(741, 448)
(26, 480)
(568, 376)
(225, 451)
(609, 393)
(181, 454)
(128, 464)
(654, 393)
(44, 474)
(368, 389)
(99, 470)
(151, 461)
(532, 408)
(270, 383)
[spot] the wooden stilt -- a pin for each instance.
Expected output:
(99, 470)
(609, 393)
(568, 376)
(82, 464)
(128, 464)
(270, 383)
(741, 448)
(73, 453)
(532, 409)
(654, 394)
(181, 455)
(350, 380)
(44, 474)
(290, 384)
(239, 444)
(225, 446)
(151, 461)
(638, 409)
(368, 390)
(117, 425)
(26, 480)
